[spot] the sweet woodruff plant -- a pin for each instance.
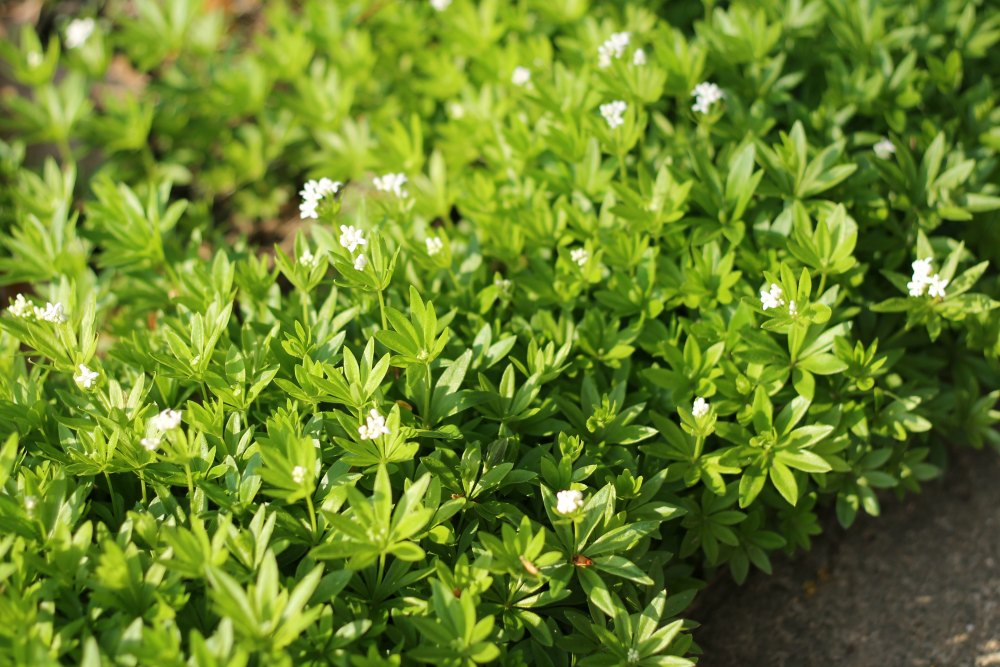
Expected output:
(368, 333)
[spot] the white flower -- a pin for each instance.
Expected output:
(166, 420)
(374, 427)
(633, 656)
(30, 503)
(612, 48)
(34, 59)
(700, 407)
(150, 443)
(86, 377)
(792, 308)
(313, 192)
(21, 307)
(772, 298)
(521, 76)
(391, 183)
(456, 110)
(351, 237)
(884, 149)
(434, 245)
(580, 256)
(298, 474)
(360, 262)
(639, 57)
(52, 312)
(307, 259)
(79, 31)
(440, 5)
(922, 268)
(568, 502)
(936, 285)
(922, 279)
(612, 112)
(706, 94)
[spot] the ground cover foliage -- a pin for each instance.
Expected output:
(589, 303)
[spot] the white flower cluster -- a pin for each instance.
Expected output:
(613, 113)
(391, 183)
(923, 282)
(313, 192)
(374, 427)
(612, 49)
(521, 76)
(86, 377)
(21, 307)
(639, 57)
(884, 149)
(308, 259)
(440, 5)
(165, 421)
(434, 245)
(700, 407)
(298, 474)
(633, 657)
(79, 31)
(580, 256)
(351, 237)
(568, 502)
(773, 297)
(706, 94)
(52, 312)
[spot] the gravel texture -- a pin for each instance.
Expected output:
(918, 586)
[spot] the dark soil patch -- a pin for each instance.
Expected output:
(918, 586)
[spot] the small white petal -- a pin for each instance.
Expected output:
(434, 245)
(351, 237)
(79, 31)
(568, 501)
(700, 407)
(86, 377)
(613, 113)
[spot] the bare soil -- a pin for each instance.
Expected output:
(918, 586)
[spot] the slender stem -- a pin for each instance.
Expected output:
(142, 484)
(822, 284)
(305, 308)
(111, 490)
(312, 514)
(426, 412)
(381, 308)
(190, 483)
(380, 575)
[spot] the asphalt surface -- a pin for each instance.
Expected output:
(917, 587)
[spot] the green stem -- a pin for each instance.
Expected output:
(381, 572)
(305, 308)
(426, 411)
(822, 284)
(312, 514)
(381, 308)
(142, 484)
(190, 483)
(111, 489)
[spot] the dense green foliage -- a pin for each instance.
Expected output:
(593, 354)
